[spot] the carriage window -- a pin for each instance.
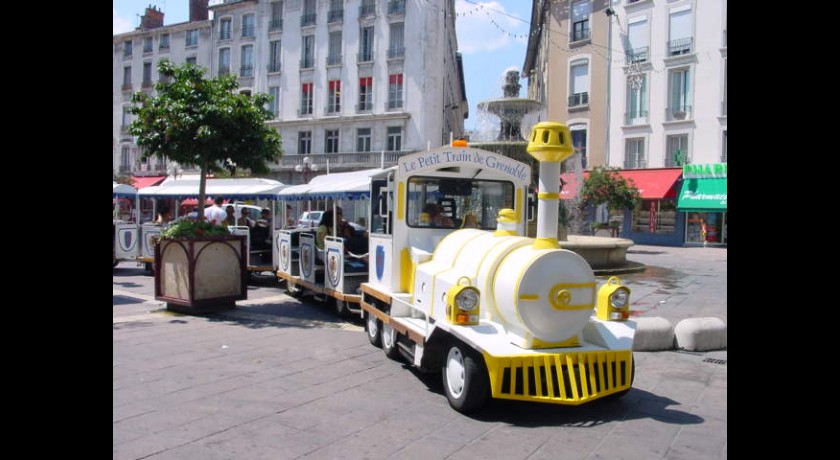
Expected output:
(444, 202)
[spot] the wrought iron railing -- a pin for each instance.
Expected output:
(334, 59)
(396, 7)
(641, 54)
(579, 99)
(275, 24)
(335, 16)
(396, 52)
(680, 46)
(638, 117)
(678, 112)
(307, 19)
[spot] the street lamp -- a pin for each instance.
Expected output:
(305, 168)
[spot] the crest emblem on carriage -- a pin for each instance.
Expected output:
(380, 261)
(333, 269)
(306, 259)
(284, 254)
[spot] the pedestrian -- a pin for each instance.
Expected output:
(230, 218)
(215, 214)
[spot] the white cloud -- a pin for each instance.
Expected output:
(482, 28)
(121, 25)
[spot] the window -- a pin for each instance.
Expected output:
(334, 97)
(365, 93)
(306, 97)
(126, 77)
(579, 142)
(274, 103)
(394, 138)
(191, 60)
(336, 11)
(224, 29)
(307, 61)
(396, 7)
(125, 159)
(396, 40)
(445, 202)
(148, 46)
(634, 153)
(676, 153)
(654, 216)
(395, 91)
(274, 56)
(304, 142)
(192, 37)
(307, 18)
(579, 90)
(334, 52)
(161, 77)
(248, 25)
(147, 74)
(638, 41)
(679, 32)
(128, 48)
(637, 112)
(247, 67)
(367, 9)
(164, 42)
(723, 148)
(363, 140)
(366, 44)
(723, 103)
(679, 95)
(276, 16)
(126, 118)
(224, 61)
(580, 20)
(331, 141)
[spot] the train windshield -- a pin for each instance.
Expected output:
(448, 202)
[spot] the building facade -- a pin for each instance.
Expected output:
(354, 83)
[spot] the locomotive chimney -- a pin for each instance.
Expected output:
(550, 144)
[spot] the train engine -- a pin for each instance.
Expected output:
(500, 314)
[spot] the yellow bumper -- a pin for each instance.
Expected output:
(560, 378)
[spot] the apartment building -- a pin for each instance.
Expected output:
(354, 83)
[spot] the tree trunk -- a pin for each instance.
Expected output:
(202, 185)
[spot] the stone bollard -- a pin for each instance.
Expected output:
(653, 333)
(701, 334)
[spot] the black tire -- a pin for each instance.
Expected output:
(341, 309)
(292, 290)
(465, 379)
(116, 262)
(389, 341)
(372, 328)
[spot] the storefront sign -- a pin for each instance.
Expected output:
(706, 170)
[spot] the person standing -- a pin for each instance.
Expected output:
(215, 214)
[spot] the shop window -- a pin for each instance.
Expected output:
(655, 216)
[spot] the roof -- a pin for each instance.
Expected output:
(147, 181)
(354, 185)
(242, 188)
(653, 184)
(124, 190)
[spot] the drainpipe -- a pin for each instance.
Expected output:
(610, 13)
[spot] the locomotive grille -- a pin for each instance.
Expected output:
(561, 378)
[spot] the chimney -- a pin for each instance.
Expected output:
(550, 144)
(199, 10)
(152, 19)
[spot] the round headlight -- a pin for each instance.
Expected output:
(467, 299)
(619, 298)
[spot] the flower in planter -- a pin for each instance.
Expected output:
(189, 228)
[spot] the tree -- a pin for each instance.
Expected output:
(605, 185)
(204, 122)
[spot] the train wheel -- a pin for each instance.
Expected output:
(341, 308)
(389, 342)
(116, 262)
(372, 327)
(465, 380)
(292, 289)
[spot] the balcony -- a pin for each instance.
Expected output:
(396, 52)
(367, 9)
(146, 84)
(305, 111)
(396, 7)
(246, 71)
(365, 56)
(224, 70)
(579, 100)
(125, 169)
(334, 60)
(307, 63)
(364, 106)
(248, 31)
(678, 112)
(126, 87)
(639, 117)
(333, 109)
(723, 109)
(676, 159)
(275, 25)
(307, 19)
(635, 163)
(680, 46)
(164, 47)
(335, 16)
(342, 161)
(274, 67)
(637, 55)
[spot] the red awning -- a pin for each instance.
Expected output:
(653, 184)
(145, 181)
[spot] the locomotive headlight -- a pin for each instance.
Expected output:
(462, 304)
(613, 301)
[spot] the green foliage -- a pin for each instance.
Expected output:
(606, 185)
(204, 122)
(189, 228)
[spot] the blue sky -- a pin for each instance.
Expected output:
(492, 37)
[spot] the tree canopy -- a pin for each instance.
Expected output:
(204, 122)
(606, 185)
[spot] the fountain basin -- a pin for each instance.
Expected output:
(606, 256)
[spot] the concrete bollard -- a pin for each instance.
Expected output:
(653, 333)
(701, 334)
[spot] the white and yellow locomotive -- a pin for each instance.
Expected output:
(498, 313)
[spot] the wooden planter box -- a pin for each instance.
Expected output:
(201, 275)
